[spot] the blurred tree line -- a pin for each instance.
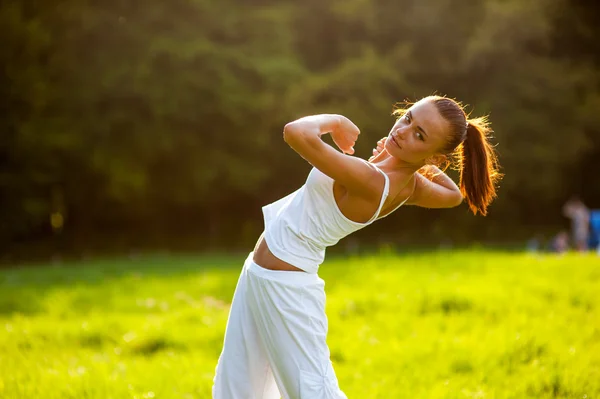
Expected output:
(149, 122)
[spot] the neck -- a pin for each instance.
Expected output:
(392, 164)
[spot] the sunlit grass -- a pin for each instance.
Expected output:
(438, 325)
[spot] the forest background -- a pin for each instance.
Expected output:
(157, 125)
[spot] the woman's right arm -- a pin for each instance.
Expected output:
(304, 136)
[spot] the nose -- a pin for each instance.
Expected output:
(401, 131)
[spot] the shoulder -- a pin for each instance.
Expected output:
(371, 180)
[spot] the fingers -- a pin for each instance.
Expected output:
(346, 135)
(350, 141)
(348, 148)
(350, 129)
(379, 147)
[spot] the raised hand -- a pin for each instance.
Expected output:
(378, 149)
(345, 134)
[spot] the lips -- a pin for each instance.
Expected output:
(395, 141)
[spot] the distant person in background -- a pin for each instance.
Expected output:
(560, 243)
(275, 340)
(595, 228)
(579, 214)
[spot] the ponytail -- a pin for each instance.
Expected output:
(474, 155)
(478, 165)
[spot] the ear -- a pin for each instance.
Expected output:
(437, 159)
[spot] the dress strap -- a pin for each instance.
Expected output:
(384, 194)
(403, 202)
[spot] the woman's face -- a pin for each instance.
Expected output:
(418, 135)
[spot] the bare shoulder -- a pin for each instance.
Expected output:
(366, 182)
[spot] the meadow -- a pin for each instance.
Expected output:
(466, 324)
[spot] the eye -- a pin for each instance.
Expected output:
(407, 117)
(420, 136)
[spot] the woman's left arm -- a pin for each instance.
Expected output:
(437, 190)
(433, 188)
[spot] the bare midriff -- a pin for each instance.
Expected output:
(265, 258)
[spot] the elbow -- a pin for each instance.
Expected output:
(291, 132)
(299, 134)
(456, 200)
(453, 199)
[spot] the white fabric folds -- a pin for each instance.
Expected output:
(275, 340)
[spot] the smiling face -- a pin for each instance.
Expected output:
(419, 134)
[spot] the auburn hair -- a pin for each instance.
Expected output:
(470, 150)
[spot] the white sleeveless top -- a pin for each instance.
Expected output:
(300, 226)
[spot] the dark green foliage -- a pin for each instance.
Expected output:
(137, 122)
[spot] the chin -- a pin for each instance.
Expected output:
(391, 147)
(393, 150)
(399, 154)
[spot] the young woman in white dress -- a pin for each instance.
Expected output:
(275, 340)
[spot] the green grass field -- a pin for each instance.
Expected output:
(437, 325)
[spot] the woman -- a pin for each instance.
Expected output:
(275, 340)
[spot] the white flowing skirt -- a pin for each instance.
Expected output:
(275, 340)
